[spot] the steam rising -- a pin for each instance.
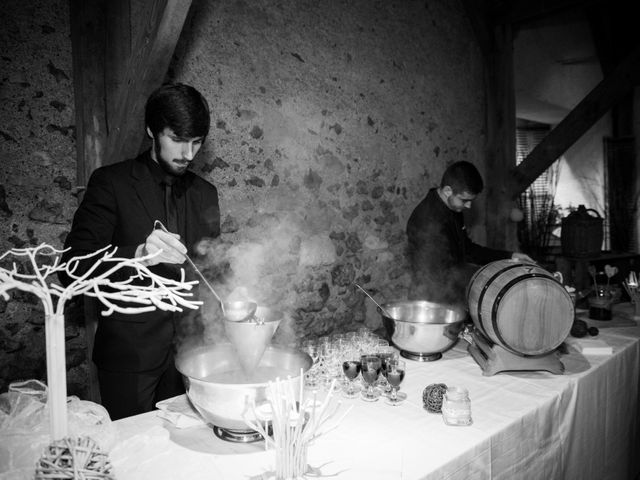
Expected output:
(260, 266)
(436, 277)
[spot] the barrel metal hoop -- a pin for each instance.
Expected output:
(496, 304)
(484, 290)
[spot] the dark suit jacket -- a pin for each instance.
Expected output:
(119, 208)
(437, 234)
(441, 254)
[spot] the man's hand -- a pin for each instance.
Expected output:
(522, 257)
(172, 250)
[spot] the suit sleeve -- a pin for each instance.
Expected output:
(482, 255)
(94, 223)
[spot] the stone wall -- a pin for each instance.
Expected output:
(330, 121)
(37, 173)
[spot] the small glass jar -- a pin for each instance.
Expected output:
(456, 406)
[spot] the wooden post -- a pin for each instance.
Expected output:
(88, 48)
(501, 149)
(119, 38)
(146, 70)
(636, 198)
(496, 45)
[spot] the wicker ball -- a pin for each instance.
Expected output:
(432, 397)
(74, 458)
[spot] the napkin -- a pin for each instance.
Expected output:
(179, 412)
(591, 346)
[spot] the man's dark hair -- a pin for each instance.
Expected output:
(462, 177)
(179, 107)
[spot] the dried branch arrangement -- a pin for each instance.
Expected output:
(140, 291)
(295, 424)
(158, 292)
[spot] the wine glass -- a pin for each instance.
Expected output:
(312, 349)
(371, 366)
(386, 353)
(395, 375)
(351, 369)
(330, 363)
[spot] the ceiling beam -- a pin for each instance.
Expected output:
(146, 70)
(600, 100)
(522, 11)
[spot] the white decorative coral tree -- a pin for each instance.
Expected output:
(140, 291)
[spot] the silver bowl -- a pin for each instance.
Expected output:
(422, 330)
(223, 393)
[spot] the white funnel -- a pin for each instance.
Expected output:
(250, 338)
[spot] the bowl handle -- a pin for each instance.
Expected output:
(465, 334)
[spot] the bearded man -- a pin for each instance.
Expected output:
(134, 353)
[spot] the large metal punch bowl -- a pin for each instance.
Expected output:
(223, 394)
(422, 330)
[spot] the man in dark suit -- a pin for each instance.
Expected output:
(134, 353)
(441, 254)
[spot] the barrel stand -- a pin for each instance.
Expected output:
(494, 358)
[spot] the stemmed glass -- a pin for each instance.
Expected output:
(371, 366)
(351, 369)
(386, 354)
(330, 363)
(395, 372)
(312, 349)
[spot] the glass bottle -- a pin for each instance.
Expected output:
(456, 406)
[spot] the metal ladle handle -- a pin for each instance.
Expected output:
(374, 301)
(159, 225)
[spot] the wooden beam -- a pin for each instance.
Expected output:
(521, 11)
(501, 148)
(88, 46)
(119, 33)
(146, 70)
(599, 101)
(614, 36)
(477, 13)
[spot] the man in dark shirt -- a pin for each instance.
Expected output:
(134, 352)
(442, 256)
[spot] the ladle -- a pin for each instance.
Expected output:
(374, 301)
(246, 311)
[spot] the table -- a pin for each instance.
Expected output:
(583, 425)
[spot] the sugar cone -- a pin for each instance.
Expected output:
(250, 339)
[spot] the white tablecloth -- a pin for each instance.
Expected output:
(584, 424)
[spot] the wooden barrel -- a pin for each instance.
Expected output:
(520, 306)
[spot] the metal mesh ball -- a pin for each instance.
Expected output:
(74, 457)
(432, 397)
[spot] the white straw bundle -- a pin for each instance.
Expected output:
(295, 424)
